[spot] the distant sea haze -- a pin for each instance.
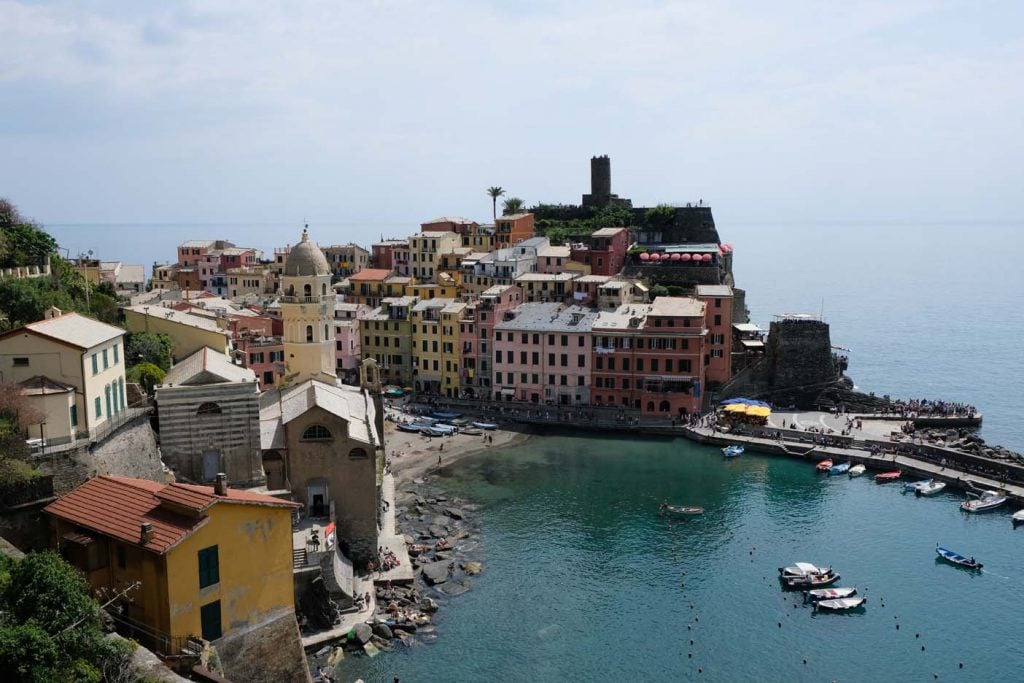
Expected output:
(928, 310)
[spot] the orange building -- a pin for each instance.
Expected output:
(718, 301)
(509, 230)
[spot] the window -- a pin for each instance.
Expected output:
(208, 409)
(497, 356)
(718, 319)
(564, 360)
(209, 617)
(579, 381)
(309, 333)
(21, 362)
(316, 433)
(654, 365)
(357, 454)
(551, 359)
(718, 303)
(522, 357)
(565, 340)
(580, 339)
(497, 378)
(95, 364)
(99, 407)
(106, 363)
(268, 378)
(74, 416)
(581, 360)
(209, 567)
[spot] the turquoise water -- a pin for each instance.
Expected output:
(584, 580)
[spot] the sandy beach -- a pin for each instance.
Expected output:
(413, 456)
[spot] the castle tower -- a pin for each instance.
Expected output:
(307, 311)
(601, 179)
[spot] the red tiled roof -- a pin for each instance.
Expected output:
(118, 506)
(370, 274)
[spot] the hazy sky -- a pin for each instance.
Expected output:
(396, 112)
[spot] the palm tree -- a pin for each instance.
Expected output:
(512, 205)
(495, 192)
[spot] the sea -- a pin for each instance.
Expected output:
(583, 580)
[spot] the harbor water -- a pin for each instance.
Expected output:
(584, 580)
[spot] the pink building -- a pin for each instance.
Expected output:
(718, 301)
(606, 252)
(543, 355)
(262, 355)
(346, 335)
(476, 336)
(650, 357)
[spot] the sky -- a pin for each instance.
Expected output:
(394, 112)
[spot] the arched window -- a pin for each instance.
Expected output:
(308, 291)
(309, 333)
(357, 454)
(327, 334)
(323, 289)
(208, 409)
(650, 406)
(664, 407)
(316, 433)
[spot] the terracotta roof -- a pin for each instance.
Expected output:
(118, 506)
(370, 274)
(40, 385)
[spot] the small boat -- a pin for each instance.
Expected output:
(824, 466)
(488, 426)
(445, 415)
(840, 604)
(430, 431)
(910, 487)
(931, 488)
(989, 500)
(683, 509)
(409, 427)
(958, 559)
(857, 470)
(804, 575)
(841, 468)
(471, 432)
(732, 451)
(820, 594)
(1018, 517)
(886, 477)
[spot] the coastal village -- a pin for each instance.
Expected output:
(261, 508)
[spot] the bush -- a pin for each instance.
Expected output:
(147, 375)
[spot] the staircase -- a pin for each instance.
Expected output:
(298, 558)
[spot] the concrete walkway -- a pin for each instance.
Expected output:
(883, 462)
(349, 620)
(391, 539)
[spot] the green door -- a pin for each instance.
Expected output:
(210, 616)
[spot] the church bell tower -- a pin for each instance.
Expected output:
(307, 311)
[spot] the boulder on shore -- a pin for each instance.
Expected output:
(382, 631)
(472, 568)
(363, 633)
(437, 572)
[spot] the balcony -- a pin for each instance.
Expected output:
(311, 299)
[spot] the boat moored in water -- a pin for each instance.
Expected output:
(805, 575)
(912, 486)
(824, 465)
(886, 477)
(841, 468)
(819, 594)
(988, 500)
(1018, 517)
(956, 558)
(857, 470)
(840, 604)
(931, 488)
(681, 509)
(732, 451)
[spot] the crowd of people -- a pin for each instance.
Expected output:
(923, 407)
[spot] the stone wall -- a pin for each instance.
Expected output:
(269, 652)
(800, 354)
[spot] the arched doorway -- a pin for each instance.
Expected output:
(273, 468)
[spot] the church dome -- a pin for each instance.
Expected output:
(306, 260)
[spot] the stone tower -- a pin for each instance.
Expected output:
(307, 311)
(601, 178)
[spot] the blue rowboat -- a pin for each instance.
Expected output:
(958, 559)
(841, 468)
(732, 451)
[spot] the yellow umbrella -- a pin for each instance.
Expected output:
(759, 411)
(736, 408)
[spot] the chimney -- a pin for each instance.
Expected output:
(220, 485)
(145, 533)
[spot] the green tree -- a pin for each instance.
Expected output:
(512, 205)
(494, 193)
(148, 347)
(50, 627)
(147, 375)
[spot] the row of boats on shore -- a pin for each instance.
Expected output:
(442, 423)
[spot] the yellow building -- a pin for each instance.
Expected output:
(307, 313)
(188, 332)
(424, 251)
(444, 290)
(451, 350)
(67, 350)
(427, 356)
(206, 562)
(250, 280)
(386, 335)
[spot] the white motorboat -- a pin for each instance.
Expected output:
(857, 470)
(819, 594)
(805, 575)
(988, 500)
(929, 488)
(840, 604)
(1018, 517)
